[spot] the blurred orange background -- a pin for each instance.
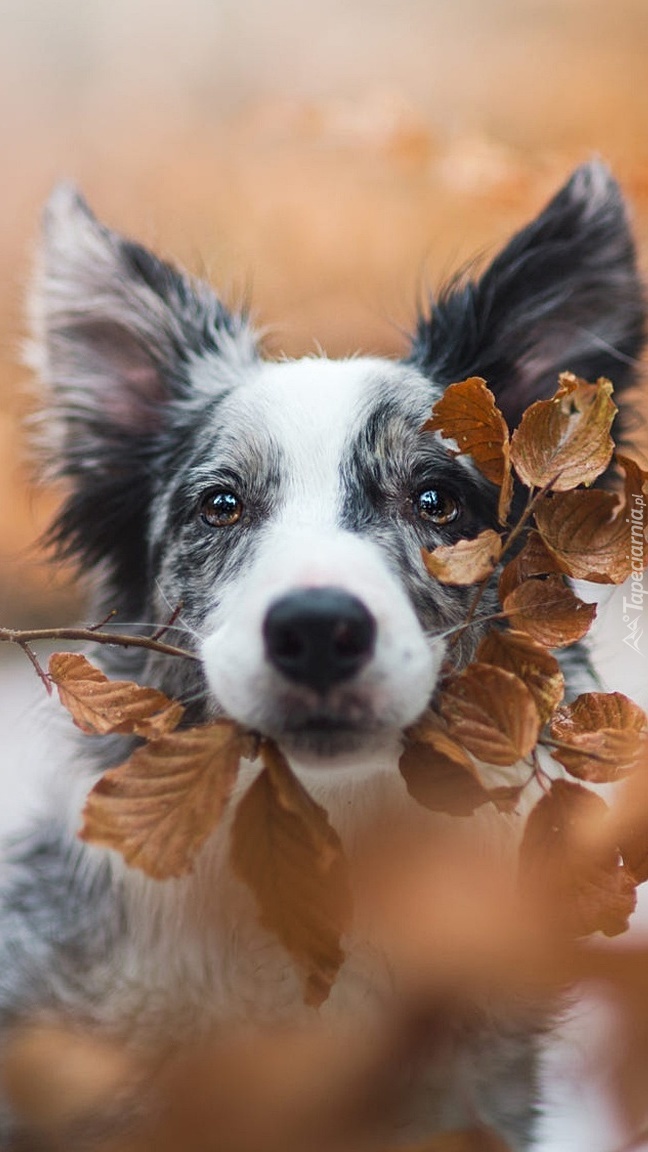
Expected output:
(330, 159)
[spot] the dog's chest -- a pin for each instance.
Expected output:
(197, 945)
(218, 966)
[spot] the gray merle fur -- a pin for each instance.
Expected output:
(384, 464)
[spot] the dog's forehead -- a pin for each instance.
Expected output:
(300, 402)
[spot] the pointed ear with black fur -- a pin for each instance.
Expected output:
(116, 332)
(115, 329)
(564, 294)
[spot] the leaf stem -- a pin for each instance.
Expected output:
(534, 497)
(563, 746)
(543, 778)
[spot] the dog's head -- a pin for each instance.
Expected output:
(285, 503)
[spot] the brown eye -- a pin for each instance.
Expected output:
(437, 506)
(221, 509)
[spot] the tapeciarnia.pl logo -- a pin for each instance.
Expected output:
(633, 605)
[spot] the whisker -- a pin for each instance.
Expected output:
(153, 625)
(611, 349)
(193, 697)
(464, 626)
(172, 608)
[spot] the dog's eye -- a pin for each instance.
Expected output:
(437, 506)
(221, 509)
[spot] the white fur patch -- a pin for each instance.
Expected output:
(310, 409)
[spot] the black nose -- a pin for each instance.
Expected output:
(319, 636)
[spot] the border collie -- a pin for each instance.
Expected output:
(284, 503)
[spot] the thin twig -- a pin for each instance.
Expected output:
(170, 622)
(97, 627)
(40, 671)
(533, 499)
(23, 637)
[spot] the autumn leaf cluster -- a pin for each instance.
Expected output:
(163, 803)
(509, 701)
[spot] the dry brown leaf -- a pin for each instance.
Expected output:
(633, 845)
(566, 441)
(533, 560)
(549, 611)
(519, 653)
(584, 889)
(634, 850)
(468, 414)
(159, 807)
(467, 561)
(446, 913)
(606, 733)
(439, 773)
(284, 848)
(55, 1076)
(586, 534)
(591, 534)
(99, 705)
(629, 820)
(282, 1088)
(635, 489)
(492, 713)
(289, 1088)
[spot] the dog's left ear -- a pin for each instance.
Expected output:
(117, 330)
(119, 337)
(564, 294)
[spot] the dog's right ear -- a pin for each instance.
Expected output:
(116, 332)
(564, 294)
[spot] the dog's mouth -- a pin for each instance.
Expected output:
(324, 731)
(326, 739)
